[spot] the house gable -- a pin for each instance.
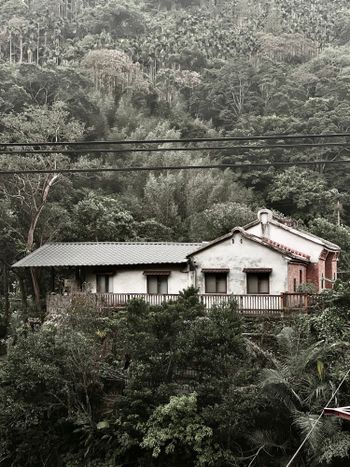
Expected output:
(266, 226)
(240, 254)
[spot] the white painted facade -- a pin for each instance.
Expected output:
(236, 254)
(135, 281)
(290, 258)
(287, 237)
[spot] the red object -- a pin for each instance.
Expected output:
(341, 412)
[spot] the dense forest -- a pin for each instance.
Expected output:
(112, 70)
(93, 70)
(176, 386)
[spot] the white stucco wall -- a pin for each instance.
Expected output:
(290, 239)
(243, 253)
(134, 280)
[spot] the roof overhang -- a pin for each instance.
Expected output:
(107, 254)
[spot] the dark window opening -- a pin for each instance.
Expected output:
(294, 285)
(300, 276)
(216, 282)
(258, 283)
(102, 283)
(157, 285)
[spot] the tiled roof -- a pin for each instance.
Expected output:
(286, 249)
(107, 254)
(301, 233)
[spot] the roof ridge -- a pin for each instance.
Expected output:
(123, 243)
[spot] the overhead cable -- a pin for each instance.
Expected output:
(174, 149)
(180, 140)
(318, 419)
(174, 167)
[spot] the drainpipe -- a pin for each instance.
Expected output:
(193, 269)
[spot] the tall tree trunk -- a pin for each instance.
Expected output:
(20, 48)
(5, 281)
(10, 47)
(38, 45)
(36, 288)
(51, 179)
(24, 295)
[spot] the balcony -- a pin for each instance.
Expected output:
(251, 305)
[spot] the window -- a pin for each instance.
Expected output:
(294, 285)
(216, 282)
(258, 282)
(102, 283)
(157, 284)
(300, 276)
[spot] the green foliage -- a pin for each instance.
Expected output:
(70, 380)
(176, 426)
(219, 219)
(100, 218)
(303, 192)
(170, 385)
(99, 391)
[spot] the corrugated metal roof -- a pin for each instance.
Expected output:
(107, 254)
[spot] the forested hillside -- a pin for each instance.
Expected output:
(98, 70)
(171, 385)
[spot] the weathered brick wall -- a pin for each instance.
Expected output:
(294, 276)
(312, 275)
(331, 269)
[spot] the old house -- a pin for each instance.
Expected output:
(259, 263)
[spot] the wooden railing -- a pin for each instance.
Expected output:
(247, 304)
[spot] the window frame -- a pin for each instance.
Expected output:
(266, 274)
(160, 277)
(107, 282)
(223, 274)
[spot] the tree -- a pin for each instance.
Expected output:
(338, 234)
(160, 199)
(113, 72)
(100, 218)
(28, 195)
(219, 219)
(177, 426)
(303, 193)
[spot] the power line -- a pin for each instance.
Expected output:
(175, 149)
(181, 140)
(175, 167)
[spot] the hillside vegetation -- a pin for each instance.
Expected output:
(171, 386)
(97, 70)
(176, 386)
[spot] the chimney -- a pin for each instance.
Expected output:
(265, 216)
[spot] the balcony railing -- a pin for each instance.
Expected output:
(246, 304)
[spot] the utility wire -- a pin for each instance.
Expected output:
(183, 140)
(174, 167)
(175, 149)
(318, 419)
